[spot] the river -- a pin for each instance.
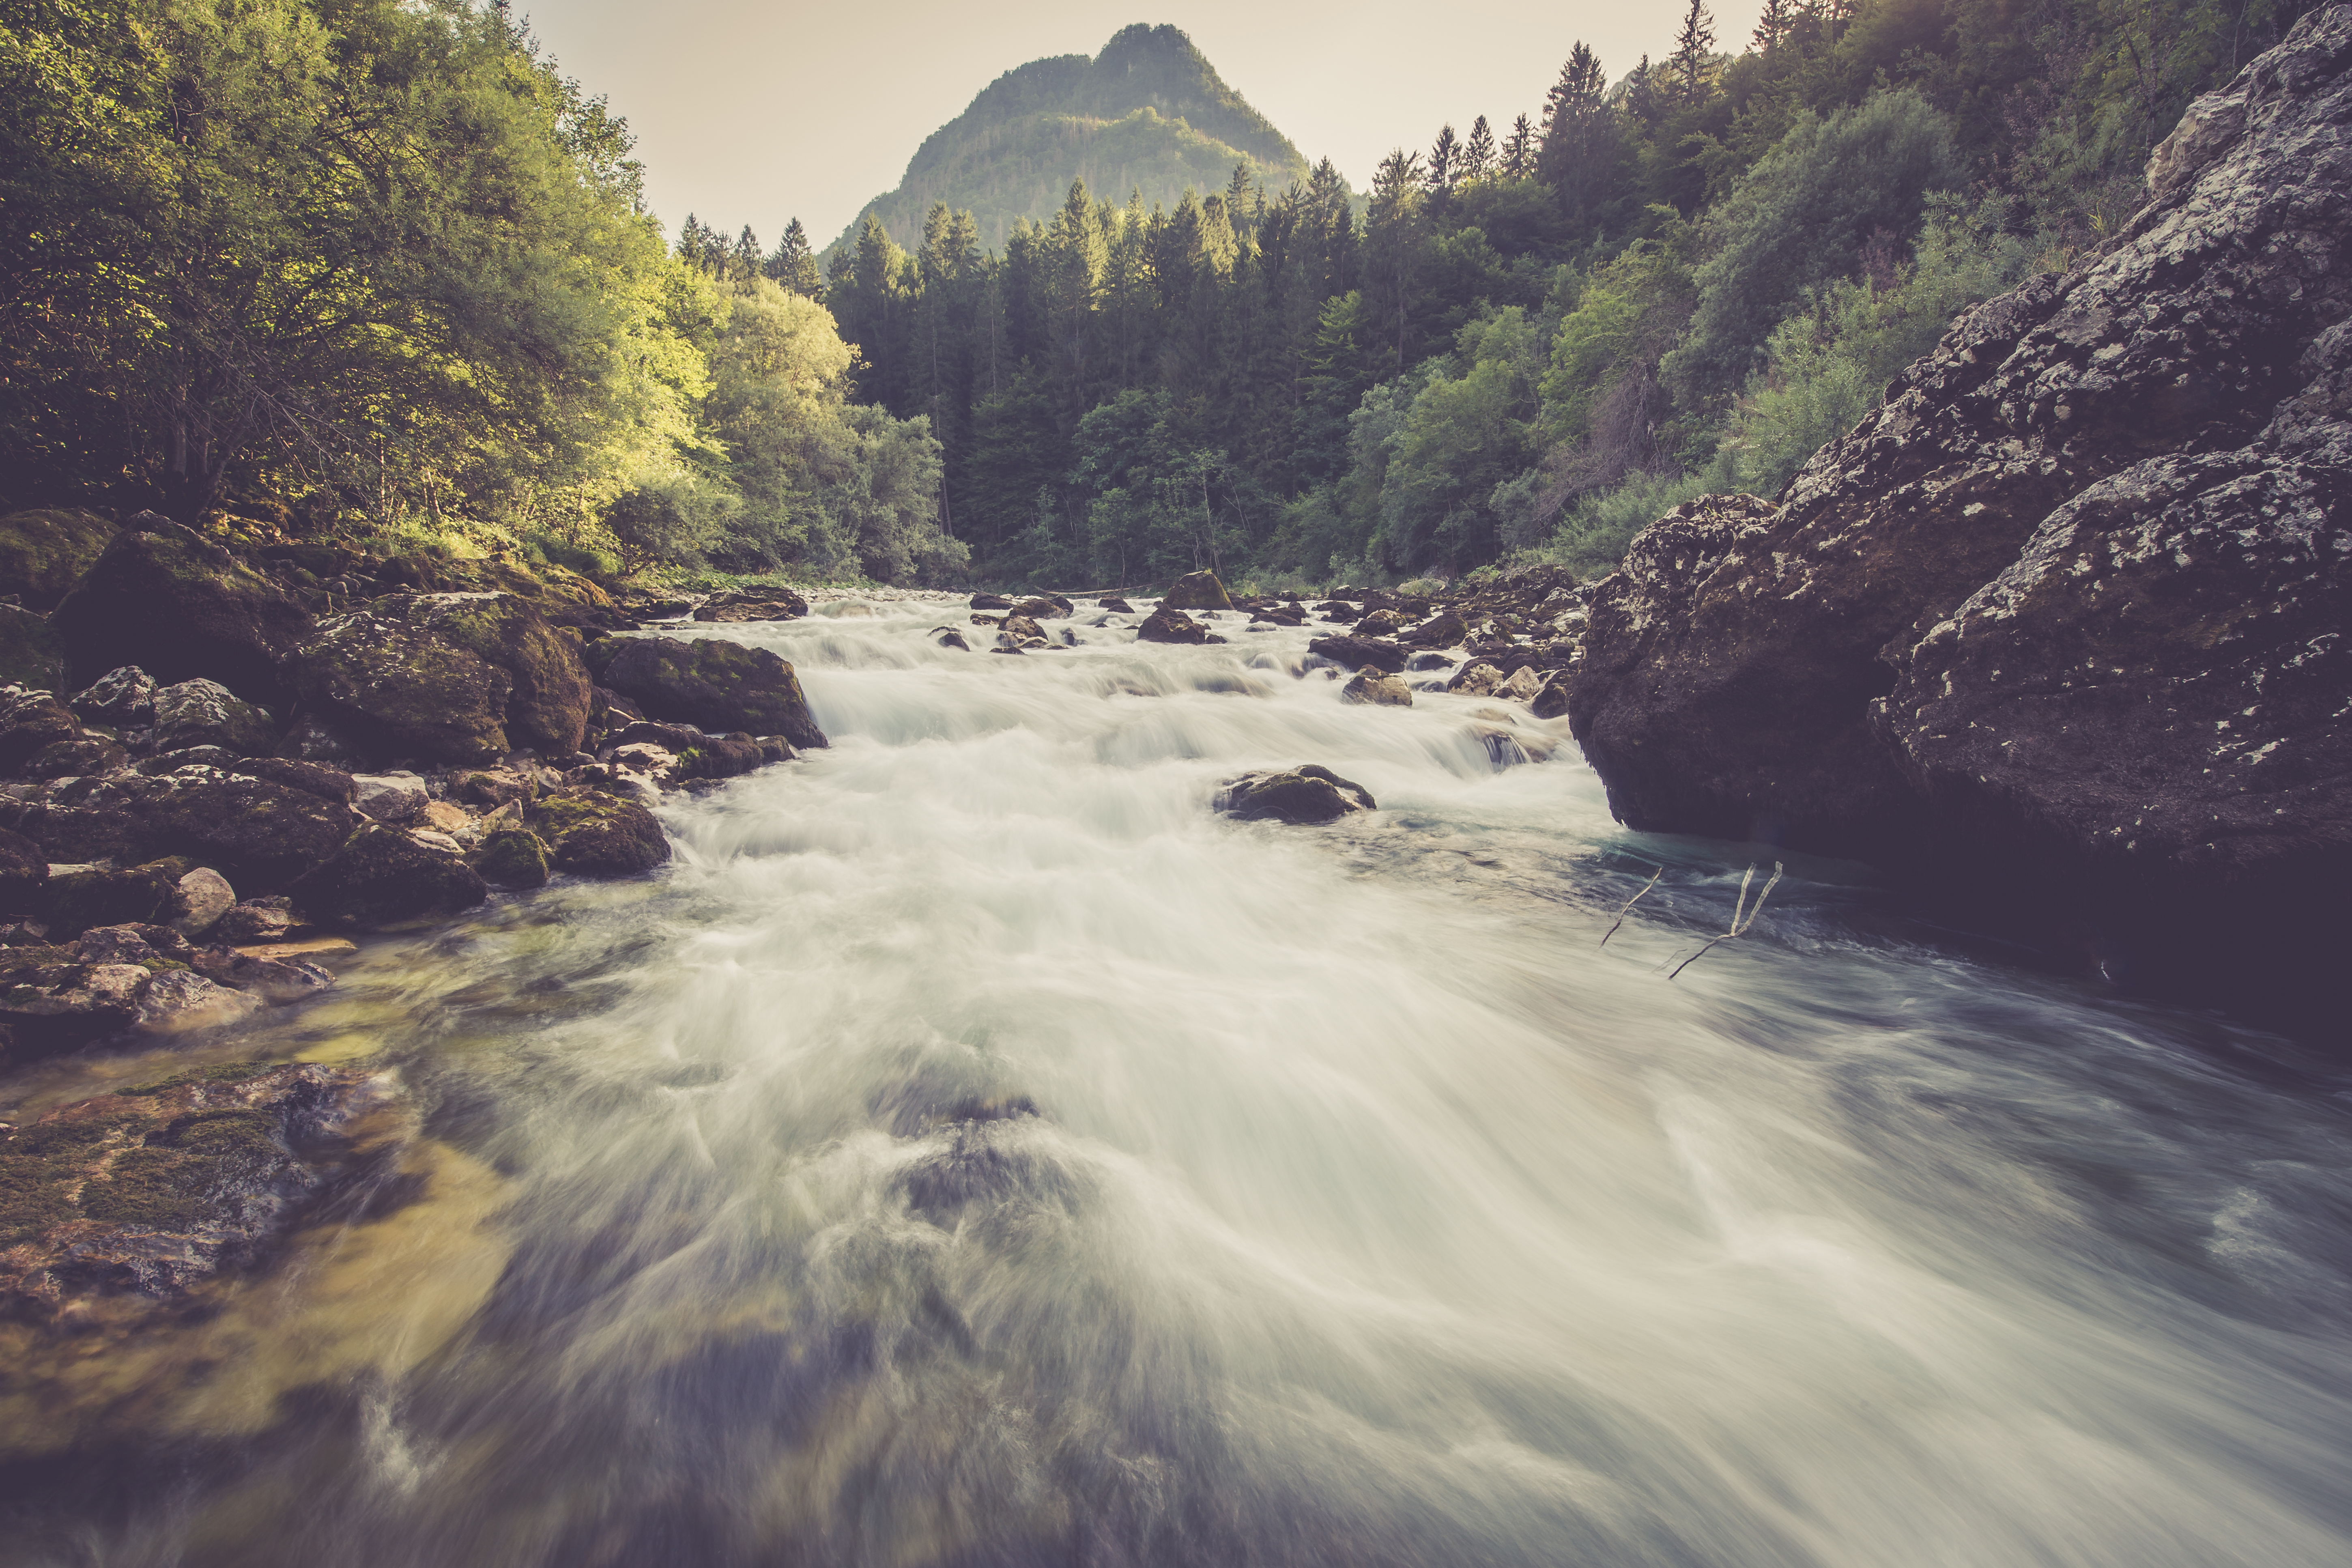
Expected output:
(975, 1151)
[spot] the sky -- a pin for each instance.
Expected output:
(750, 112)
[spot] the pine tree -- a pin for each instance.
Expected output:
(1778, 17)
(1582, 147)
(1576, 93)
(744, 264)
(1694, 48)
(1443, 164)
(1519, 150)
(1394, 229)
(1478, 152)
(793, 265)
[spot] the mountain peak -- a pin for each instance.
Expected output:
(1148, 113)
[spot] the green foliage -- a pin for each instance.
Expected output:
(1801, 218)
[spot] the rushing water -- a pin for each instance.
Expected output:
(975, 1151)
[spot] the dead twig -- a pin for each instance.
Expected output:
(1739, 926)
(1629, 905)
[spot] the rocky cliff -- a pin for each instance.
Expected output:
(2058, 631)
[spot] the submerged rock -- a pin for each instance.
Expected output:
(1305, 793)
(118, 1203)
(2059, 629)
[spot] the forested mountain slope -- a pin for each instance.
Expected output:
(1148, 113)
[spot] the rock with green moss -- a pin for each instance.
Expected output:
(75, 902)
(259, 833)
(122, 1203)
(30, 721)
(1196, 591)
(207, 713)
(44, 553)
(398, 689)
(548, 699)
(30, 653)
(180, 608)
(513, 857)
(383, 877)
(593, 834)
(722, 685)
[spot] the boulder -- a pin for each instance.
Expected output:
(1354, 652)
(97, 896)
(1112, 601)
(1196, 591)
(2057, 632)
(1019, 631)
(1522, 684)
(76, 758)
(1383, 624)
(24, 876)
(274, 980)
(395, 798)
(130, 1201)
(947, 637)
(381, 876)
(30, 722)
(1302, 794)
(30, 652)
(256, 920)
(176, 1001)
(991, 601)
(204, 896)
(124, 697)
(259, 832)
(765, 603)
(1167, 625)
(56, 1005)
(44, 553)
(549, 692)
(313, 740)
(593, 834)
(399, 689)
(512, 857)
(1375, 685)
(1552, 700)
(723, 686)
(1044, 608)
(169, 601)
(207, 713)
(328, 784)
(1445, 629)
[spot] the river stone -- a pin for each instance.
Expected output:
(207, 713)
(512, 857)
(1044, 608)
(403, 690)
(30, 722)
(593, 834)
(180, 608)
(1305, 793)
(1113, 602)
(1552, 700)
(204, 896)
(1478, 679)
(395, 798)
(273, 979)
(1169, 624)
(722, 685)
(178, 1001)
(45, 552)
(82, 756)
(990, 602)
(1196, 591)
(30, 653)
(256, 920)
(259, 832)
(128, 1201)
(56, 1006)
(100, 896)
(1382, 624)
(124, 697)
(1445, 629)
(328, 784)
(1373, 685)
(1522, 686)
(548, 702)
(947, 637)
(1355, 652)
(766, 603)
(382, 877)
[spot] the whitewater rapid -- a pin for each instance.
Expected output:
(973, 1150)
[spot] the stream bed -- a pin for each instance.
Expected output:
(973, 1150)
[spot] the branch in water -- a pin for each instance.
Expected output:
(1740, 927)
(1629, 903)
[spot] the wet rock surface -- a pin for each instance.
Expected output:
(1306, 794)
(2059, 629)
(127, 1201)
(180, 608)
(722, 685)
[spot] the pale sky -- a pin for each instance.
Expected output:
(751, 113)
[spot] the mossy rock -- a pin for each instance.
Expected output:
(381, 876)
(78, 901)
(592, 834)
(722, 686)
(548, 701)
(513, 857)
(180, 607)
(30, 653)
(1196, 591)
(44, 553)
(399, 689)
(207, 713)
